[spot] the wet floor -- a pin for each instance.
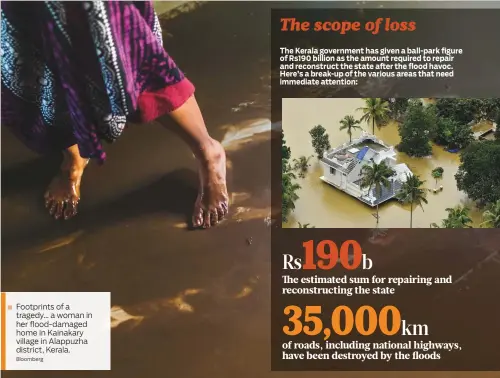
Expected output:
(322, 205)
(185, 304)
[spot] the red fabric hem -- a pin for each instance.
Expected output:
(152, 105)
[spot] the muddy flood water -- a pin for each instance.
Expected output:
(184, 303)
(321, 205)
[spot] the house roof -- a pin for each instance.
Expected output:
(361, 154)
(333, 164)
(347, 157)
(370, 154)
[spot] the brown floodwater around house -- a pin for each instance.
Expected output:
(321, 205)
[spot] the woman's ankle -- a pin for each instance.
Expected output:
(73, 163)
(208, 149)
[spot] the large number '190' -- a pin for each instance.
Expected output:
(327, 253)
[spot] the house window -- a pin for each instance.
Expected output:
(333, 171)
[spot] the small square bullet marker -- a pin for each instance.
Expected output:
(9, 307)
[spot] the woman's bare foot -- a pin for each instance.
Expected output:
(63, 194)
(212, 204)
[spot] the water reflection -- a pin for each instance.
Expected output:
(324, 206)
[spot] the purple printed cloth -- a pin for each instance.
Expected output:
(73, 72)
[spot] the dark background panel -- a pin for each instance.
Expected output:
(473, 30)
(465, 311)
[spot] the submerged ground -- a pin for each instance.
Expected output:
(186, 304)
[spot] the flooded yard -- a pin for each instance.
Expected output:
(322, 205)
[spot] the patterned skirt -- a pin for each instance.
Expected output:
(76, 72)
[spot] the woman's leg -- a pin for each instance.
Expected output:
(63, 193)
(212, 203)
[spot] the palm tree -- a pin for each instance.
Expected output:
(349, 123)
(412, 193)
(301, 165)
(305, 225)
(376, 111)
(376, 176)
(492, 216)
(437, 173)
(458, 217)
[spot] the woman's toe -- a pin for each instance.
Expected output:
(70, 210)
(221, 213)
(59, 210)
(207, 221)
(215, 217)
(53, 207)
(197, 217)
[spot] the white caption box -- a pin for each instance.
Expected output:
(57, 331)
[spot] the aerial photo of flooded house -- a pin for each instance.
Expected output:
(390, 163)
(343, 169)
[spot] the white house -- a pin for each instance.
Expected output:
(342, 168)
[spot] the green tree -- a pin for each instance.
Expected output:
(397, 107)
(375, 112)
(376, 176)
(461, 136)
(452, 134)
(443, 130)
(486, 108)
(461, 110)
(301, 165)
(320, 140)
(437, 173)
(491, 217)
(458, 217)
(479, 172)
(349, 123)
(285, 153)
(285, 150)
(289, 187)
(289, 194)
(413, 193)
(416, 131)
(305, 225)
(466, 110)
